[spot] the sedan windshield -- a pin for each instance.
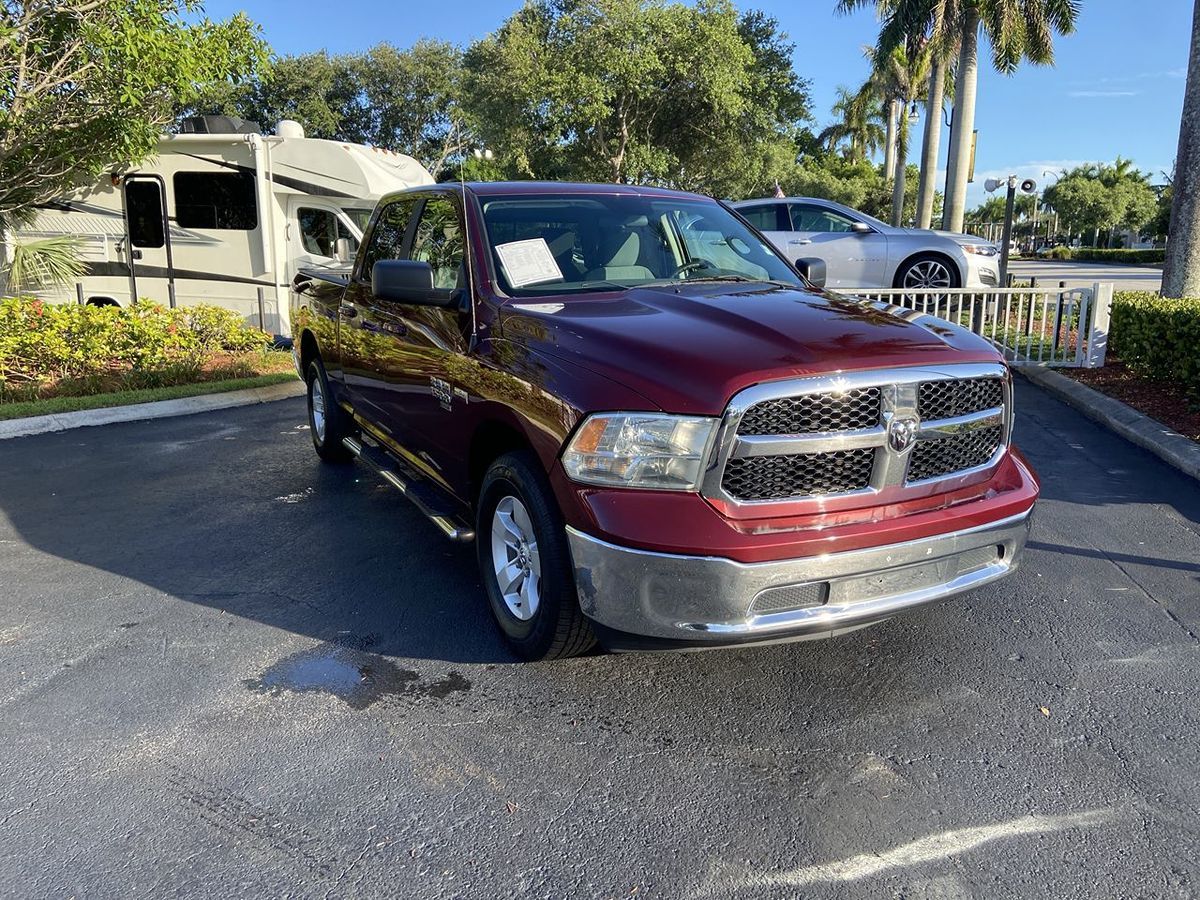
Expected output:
(564, 244)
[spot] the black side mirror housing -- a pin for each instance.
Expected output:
(408, 281)
(860, 228)
(813, 271)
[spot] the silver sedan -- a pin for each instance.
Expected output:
(860, 251)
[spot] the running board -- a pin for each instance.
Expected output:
(422, 497)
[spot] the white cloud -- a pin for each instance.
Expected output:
(1180, 72)
(1103, 93)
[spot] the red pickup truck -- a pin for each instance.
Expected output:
(656, 431)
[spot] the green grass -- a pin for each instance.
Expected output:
(56, 405)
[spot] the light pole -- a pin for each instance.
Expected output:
(1057, 175)
(1028, 186)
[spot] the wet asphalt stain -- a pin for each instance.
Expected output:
(353, 675)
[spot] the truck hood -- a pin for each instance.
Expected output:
(689, 348)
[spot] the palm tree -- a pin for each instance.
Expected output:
(1181, 273)
(1016, 29)
(859, 125)
(901, 75)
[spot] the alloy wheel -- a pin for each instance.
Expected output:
(928, 273)
(317, 399)
(515, 558)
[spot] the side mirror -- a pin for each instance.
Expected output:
(813, 271)
(860, 228)
(408, 281)
(341, 250)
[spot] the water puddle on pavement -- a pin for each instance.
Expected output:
(355, 676)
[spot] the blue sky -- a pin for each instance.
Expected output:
(1117, 87)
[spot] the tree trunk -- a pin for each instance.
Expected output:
(958, 166)
(901, 167)
(1181, 273)
(889, 153)
(929, 144)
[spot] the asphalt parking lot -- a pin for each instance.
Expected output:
(228, 670)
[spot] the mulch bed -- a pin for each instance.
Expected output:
(1160, 400)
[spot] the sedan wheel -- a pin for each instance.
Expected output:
(928, 274)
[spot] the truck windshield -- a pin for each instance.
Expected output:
(564, 244)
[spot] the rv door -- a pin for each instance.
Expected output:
(147, 244)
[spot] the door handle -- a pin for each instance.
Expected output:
(348, 310)
(800, 241)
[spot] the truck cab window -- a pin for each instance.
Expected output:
(387, 239)
(439, 242)
(143, 206)
(217, 200)
(320, 230)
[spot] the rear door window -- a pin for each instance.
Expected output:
(765, 217)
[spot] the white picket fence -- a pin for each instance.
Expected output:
(1066, 327)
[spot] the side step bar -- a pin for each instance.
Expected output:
(422, 498)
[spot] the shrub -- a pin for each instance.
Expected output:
(1097, 254)
(1158, 337)
(43, 344)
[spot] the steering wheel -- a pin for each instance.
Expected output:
(692, 266)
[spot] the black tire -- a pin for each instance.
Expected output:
(326, 440)
(925, 258)
(557, 628)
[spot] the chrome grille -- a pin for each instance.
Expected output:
(827, 437)
(799, 475)
(945, 456)
(947, 399)
(814, 413)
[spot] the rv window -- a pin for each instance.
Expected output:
(320, 229)
(215, 200)
(143, 205)
(387, 240)
(439, 242)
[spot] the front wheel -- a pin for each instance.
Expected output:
(326, 421)
(525, 562)
(929, 272)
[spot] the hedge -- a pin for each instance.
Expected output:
(44, 344)
(1158, 337)
(1098, 254)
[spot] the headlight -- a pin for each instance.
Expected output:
(640, 450)
(981, 249)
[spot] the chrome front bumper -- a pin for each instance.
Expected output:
(698, 600)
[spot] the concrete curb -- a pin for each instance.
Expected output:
(160, 409)
(1169, 446)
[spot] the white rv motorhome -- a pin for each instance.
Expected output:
(223, 215)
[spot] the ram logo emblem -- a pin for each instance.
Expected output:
(902, 434)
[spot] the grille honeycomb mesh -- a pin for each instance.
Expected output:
(945, 456)
(814, 413)
(947, 399)
(800, 475)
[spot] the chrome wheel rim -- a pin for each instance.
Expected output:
(316, 397)
(928, 273)
(515, 558)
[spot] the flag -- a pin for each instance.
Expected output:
(779, 195)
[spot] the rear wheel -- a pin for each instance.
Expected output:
(326, 421)
(525, 562)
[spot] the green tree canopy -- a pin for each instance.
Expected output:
(90, 84)
(404, 100)
(1103, 196)
(639, 90)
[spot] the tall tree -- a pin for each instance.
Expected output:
(1017, 30)
(87, 85)
(636, 90)
(903, 75)
(858, 124)
(1181, 274)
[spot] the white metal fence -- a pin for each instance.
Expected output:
(1032, 326)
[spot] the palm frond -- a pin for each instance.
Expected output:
(48, 262)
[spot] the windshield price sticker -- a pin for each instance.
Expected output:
(528, 262)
